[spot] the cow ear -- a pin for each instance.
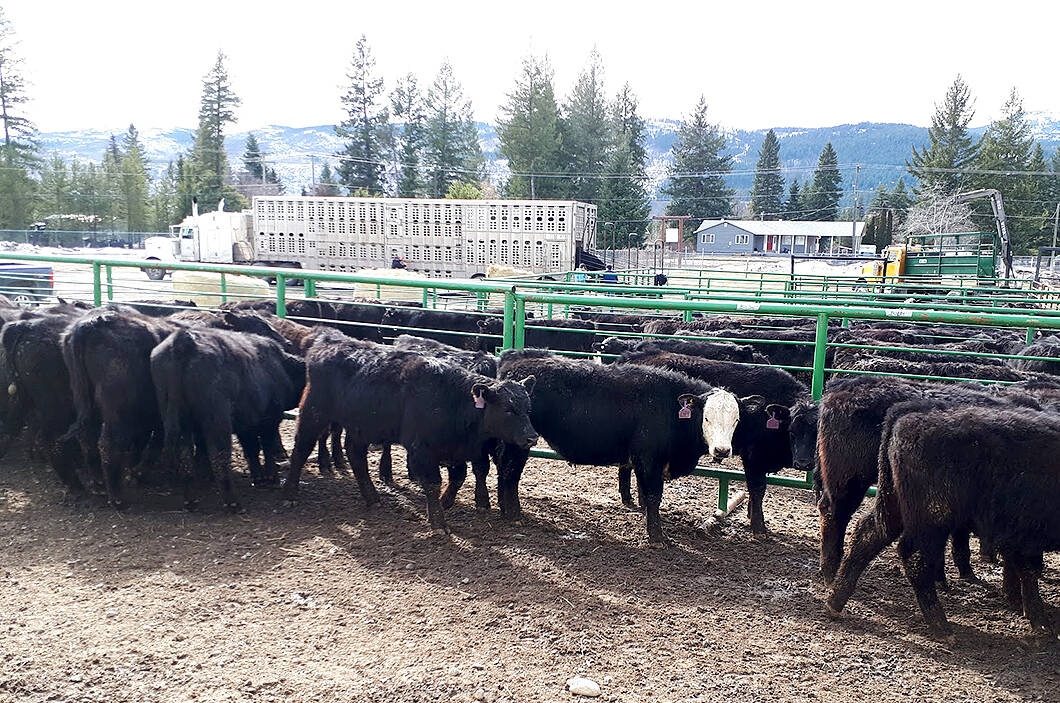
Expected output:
(753, 403)
(691, 399)
(528, 383)
(780, 412)
(480, 393)
(598, 346)
(481, 324)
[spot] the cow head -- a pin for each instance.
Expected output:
(611, 345)
(803, 433)
(720, 412)
(505, 408)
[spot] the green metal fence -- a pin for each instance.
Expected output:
(101, 280)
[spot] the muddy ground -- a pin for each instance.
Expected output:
(330, 601)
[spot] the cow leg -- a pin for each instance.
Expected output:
(337, 456)
(192, 462)
(921, 570)
(63, 455)
(457, 476)
(1011, 589)
(358, 456)
(219, 451)
(87, 434)
(307, 432)
(272, 449)
(1028, 568)
(324, 457)
(386, 465)
(650, 481)
(511, 460)
(756, 492)
(872, 534)
(114, 456)
(481, 468)
(836, 510)
(625, 475)
(252, 453)
(961, 552)
(425, 470)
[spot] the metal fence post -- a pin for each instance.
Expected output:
(97, 291)
(519, 333)
(1030, 335)
(224, 288)
(281, 295)
(509, 317)
(110, 284)
(820, 349)
(310, 287)
(688, 313)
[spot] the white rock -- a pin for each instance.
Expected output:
(583, 687)
(479, 694)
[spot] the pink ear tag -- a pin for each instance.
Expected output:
(480, 402)
(772, 423)
(685, 412)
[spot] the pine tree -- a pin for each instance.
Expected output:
(451, 151)
(56, 191)
(950, 146)
(362, 159)
(186, 190)
(89, 193)
(793, 206)
(18, 151)
(113, 182)
(624, 199)
(823, 200)
(406, 105)
(165, 208)
(1009, 146)
(767, 189)
(253, 159)
(528, 129)
(586, 132)
(208, 167)
(135, 181)
(696, 183)
(326, 185)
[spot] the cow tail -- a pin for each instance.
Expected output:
(74, 343)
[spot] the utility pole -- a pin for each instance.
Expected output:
(313, 174)
(854, 243)
(1056, 221)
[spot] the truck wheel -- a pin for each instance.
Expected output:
(24, 300)
(155, 274)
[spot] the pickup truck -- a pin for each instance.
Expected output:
(26, 284)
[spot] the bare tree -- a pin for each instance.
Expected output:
(937, 212)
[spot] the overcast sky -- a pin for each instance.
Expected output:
(106, 63)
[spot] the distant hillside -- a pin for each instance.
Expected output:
(882, 148)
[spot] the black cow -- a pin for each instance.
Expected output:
(40, 385)
(549, 333)
(1045, 347)
(659, 421)
(761, 439)
(438, 411)
(946, 369)
(722, 351)
(311, 308)
(159, 308)
(213, 383)
(994, 470)
(457, 329)
(851, 414)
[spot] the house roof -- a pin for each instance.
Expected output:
(796, 228)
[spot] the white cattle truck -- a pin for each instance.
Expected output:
(438, 238)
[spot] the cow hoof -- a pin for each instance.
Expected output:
(831, 611)
(448, 502)
(442, 531)
(482, 508)
(282, 465)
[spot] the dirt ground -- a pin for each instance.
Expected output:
(330, 601)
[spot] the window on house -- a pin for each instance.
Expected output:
(799, 241)
(708, 238)
(743, 239)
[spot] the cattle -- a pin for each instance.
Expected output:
(309, 308)
(159, 308)
(1045, 347)
(950, 468)
(361, 319)
(947, 369)
(851, 414)
(40, 385)
(549, 333)
(108, 353)
(438, 411)
(722, 351)
(475, 362)
(843, 356)
(211, 384)
(761, 439)
(457, 329)
(612, 322)
(789, 347)
(658, 420)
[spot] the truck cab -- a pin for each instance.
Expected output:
(214, 237)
